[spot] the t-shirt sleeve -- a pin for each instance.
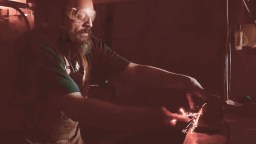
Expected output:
(46, 70)
(106, 62)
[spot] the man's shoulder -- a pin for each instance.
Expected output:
(38, 34)
(41, 40)
(96, 40)
(99, 44)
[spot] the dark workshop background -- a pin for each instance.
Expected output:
(182, 36)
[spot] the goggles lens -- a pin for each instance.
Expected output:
(81, 15)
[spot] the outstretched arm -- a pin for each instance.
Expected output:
(156, 77)
(111, 116)
(150, 76)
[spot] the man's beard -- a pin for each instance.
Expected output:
(75, 47)
(79, 48)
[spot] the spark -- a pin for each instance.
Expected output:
(194, 119)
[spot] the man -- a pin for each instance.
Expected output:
(58, 61)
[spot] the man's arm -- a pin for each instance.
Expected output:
(110, 116)
(150, 76)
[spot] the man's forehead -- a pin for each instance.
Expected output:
(80, 3)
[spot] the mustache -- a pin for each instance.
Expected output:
(89, 31)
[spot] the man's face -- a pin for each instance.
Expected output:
(80, 16)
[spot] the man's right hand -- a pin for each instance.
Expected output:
(172, 118)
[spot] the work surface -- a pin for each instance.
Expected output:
(239, 128)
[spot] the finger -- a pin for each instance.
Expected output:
(179, 117)
(166, 112)
(173, 122)
(176, 116)
(182, 111)
(190, 101)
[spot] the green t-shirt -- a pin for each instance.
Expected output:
(42, 74)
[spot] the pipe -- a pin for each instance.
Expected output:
(17, 6)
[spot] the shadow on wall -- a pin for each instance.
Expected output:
(11, 28)
(182, 36)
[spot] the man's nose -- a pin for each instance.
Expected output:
(88, 23)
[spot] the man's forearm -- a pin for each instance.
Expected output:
(111, 116)
(155, 77)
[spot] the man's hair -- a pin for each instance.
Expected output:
(50, 12)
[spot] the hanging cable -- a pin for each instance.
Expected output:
(227, 60)
(227, 67)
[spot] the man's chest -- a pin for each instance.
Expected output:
(77, 65)
(78, 69)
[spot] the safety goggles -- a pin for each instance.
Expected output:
(81, 15)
